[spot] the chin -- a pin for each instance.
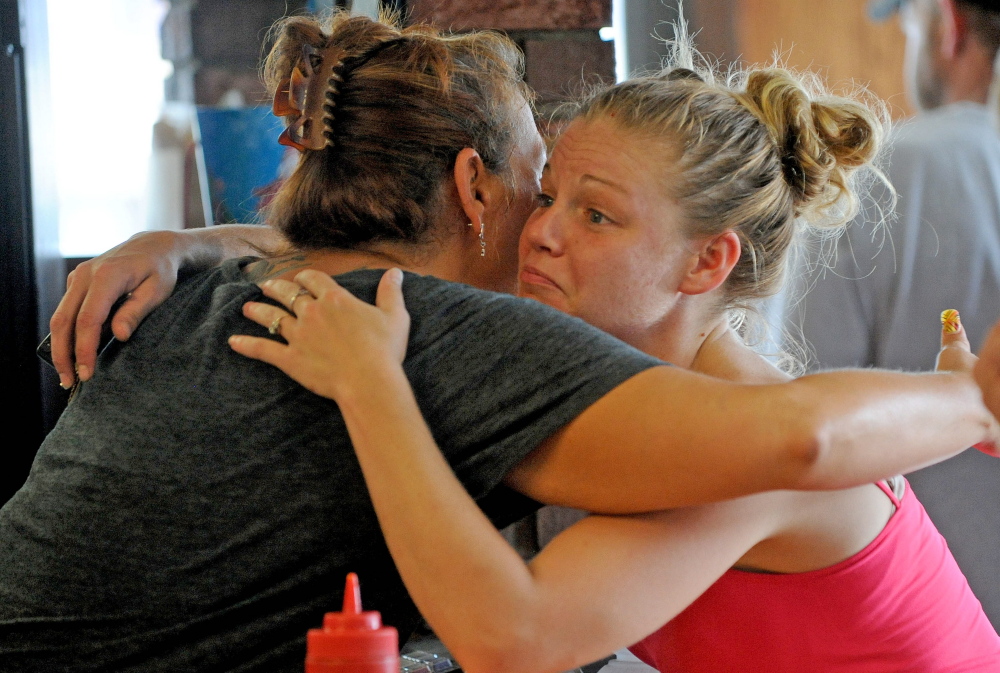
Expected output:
(547, 297)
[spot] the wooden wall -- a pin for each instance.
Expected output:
(834, 37)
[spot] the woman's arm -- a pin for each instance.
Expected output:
(601, 585)
(866, 422)
(146, 266)
(671, 438)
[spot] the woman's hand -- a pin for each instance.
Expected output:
(987, 372)
(144, 270)
(144, 267)
(337, 343)
(956, 356)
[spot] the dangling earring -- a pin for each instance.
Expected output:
(482, 239)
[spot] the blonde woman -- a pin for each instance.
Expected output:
(668, 204)
(418, 151)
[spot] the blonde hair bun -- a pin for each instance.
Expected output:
(820, 140)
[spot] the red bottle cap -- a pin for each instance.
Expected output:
(352, 640)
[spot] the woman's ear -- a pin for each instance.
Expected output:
(715, 259)
(471, 177)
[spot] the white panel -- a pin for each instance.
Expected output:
(365, 8)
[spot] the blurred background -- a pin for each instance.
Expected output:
(118, 116)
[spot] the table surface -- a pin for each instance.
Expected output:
(430, 643)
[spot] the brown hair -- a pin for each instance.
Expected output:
(983, 23)
(404, 110)
(761, 154)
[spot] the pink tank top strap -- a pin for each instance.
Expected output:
(887, 488)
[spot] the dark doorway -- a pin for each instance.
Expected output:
(29, 264)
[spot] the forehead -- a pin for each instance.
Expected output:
(602, 149)
(529, 143)
(528, 128)
(629, 171)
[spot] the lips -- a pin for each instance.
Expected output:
(531, 276)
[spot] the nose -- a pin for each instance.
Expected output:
(543, 232)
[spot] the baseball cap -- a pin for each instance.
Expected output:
(880, 10)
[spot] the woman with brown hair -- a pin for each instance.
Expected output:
(667, 210)
(205, 507)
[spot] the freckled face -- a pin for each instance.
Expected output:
(605, 243)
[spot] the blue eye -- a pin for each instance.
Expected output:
(596, 217)
(544, 200)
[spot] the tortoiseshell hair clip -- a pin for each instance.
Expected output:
(310, 95)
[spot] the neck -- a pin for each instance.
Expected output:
(970, 75)
(448, 261)
(680, 334)
(453, 254)
(407, 258)
(696, 335)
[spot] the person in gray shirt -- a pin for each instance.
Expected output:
(194, 510)
(875, 307)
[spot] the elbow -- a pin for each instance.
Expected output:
(483, 662)
(491, 660)
(510, 651)
(806, 455)
(802, 436)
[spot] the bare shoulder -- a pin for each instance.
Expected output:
(789, 531)
(726, 357)
(798, 531)
(818, 529)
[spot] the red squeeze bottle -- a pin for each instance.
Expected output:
(352, 641)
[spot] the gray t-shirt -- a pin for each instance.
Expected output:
(197, 510)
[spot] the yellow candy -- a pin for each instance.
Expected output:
(950, 321)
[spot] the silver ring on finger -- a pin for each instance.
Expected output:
(275, 326)
(291, 303)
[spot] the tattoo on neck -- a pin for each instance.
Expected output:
(266, 269)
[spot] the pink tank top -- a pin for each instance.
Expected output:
(899, 605)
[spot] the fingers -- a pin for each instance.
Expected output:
(140, 303)
(92, 289)
(145, 265)
(271, 317)
(334, 341)
(308, 285)
(318, 283)
(101, 295)
(955, 354)
(286, 292)
(258, 348)
(952, 332)
(61, 325)
(389, 298)
(78, 320)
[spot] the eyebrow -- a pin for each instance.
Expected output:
(613, 185)
(593, 178)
